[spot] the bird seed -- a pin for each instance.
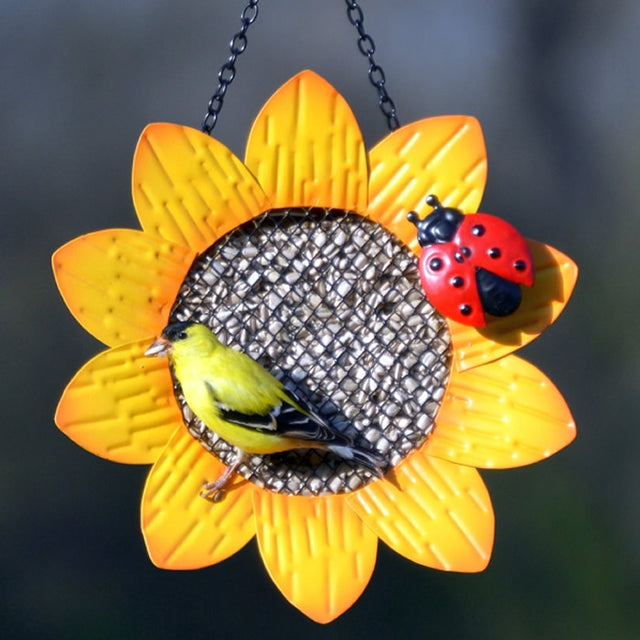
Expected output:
(331, 304)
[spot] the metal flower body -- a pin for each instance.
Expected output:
(305, 151)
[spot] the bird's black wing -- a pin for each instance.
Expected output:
(308, 425)
(251, 421)
(259, 421)
(291, 419)
(294, 419)
(298, 420)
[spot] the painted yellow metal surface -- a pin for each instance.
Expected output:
(306, 150)
(181, 529)
(120, 406)
(431, 511)
(120, 284)
(556, 275)
(189, 188)
(505, 414)
(444, 156)
(317, 551)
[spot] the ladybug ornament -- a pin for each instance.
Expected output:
(471, 265)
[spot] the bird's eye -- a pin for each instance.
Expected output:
(182, 335)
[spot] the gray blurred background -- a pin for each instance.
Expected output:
(556, 86)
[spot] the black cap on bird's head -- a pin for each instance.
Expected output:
(171, 333)
(439, 226)
(176, 331)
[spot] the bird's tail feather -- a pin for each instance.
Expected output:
(368, 459)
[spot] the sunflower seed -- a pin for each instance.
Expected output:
(332, 304)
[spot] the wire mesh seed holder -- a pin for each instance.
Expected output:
(306, 257)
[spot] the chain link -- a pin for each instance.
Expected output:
(228, 70)
(376, 75)
(238, 45)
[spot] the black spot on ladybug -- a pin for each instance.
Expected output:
(499, 297)
(465, 309)
(457, 282)
(466, 252)
(458, 257)
(435, 264)
(478, 230)
(519, 265)
(494, 253)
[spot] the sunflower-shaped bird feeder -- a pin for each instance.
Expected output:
(338, 271)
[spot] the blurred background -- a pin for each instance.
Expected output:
(556, 86)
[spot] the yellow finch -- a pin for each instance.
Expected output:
(246, 405)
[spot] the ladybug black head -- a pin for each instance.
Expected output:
(439, 226)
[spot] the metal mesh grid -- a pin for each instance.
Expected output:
(331, 304)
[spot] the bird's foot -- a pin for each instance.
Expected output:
(215, 489)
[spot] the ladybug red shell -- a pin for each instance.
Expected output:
(471, 264)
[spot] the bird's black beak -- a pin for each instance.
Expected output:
(160, 348)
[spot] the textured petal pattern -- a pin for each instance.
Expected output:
(317, 551)
(505, 414)
(189, 188)
(431, 511)
(121, 405)
(120, 284)
(445, 156)
(306, 149)
(181, 529)
(556, 276)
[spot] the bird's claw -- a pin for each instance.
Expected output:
(213, 490)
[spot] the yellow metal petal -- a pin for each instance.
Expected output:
(120, 284)
(306, 149)
(505, 414)
(431, 511)
(121, 405)
(189, 188)
(445, 156)
(556, 276)
(316, 550)
(183, 530)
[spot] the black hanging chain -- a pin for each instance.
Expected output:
(238, 45)
(228, 70)
(376, 74)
